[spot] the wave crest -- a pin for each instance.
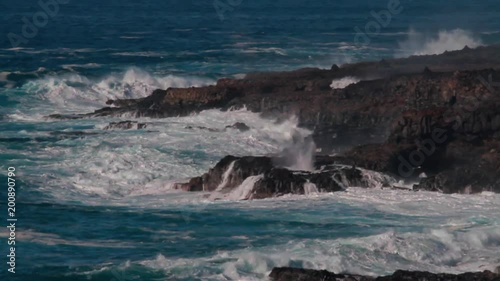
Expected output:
(75, 93)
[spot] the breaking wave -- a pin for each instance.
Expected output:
(455, 237)
(76, 93)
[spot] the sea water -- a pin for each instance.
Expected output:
(96, 204)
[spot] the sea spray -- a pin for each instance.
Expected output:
(310, 188)
(300, 148)
(244, 190)
(422, 44)
(344, 82)
(225, 176)
(301, 154)
(375, 179)
(77, 93)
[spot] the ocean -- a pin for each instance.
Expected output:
(95, 204)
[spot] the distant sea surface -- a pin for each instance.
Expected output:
(95, 204)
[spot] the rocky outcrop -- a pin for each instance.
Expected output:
(240, 126)
(272, 180)
(437, 116)
(359, 114)
(441, 125)
(170, 102)
(296, 274)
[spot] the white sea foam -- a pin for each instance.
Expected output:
(74, 93)
(375, 179)
(299, 148)
(310, 188)
(344, 82)
(225, 177)
(452, 233)
(124, 164)
(86, 65)
(445, 40)
(256, 50)
(244, 190)
(434, 250)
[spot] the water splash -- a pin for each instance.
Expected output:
(425, 44)
(344, 82)
(310, 188)
(300, 148)
(225, 177)
(244, 190)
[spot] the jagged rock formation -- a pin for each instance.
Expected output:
(232, 172)
(438, 115)
(296, 274)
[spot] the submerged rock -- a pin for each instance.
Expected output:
(297, 274)
(203, 128)
(125, 125)
(242, 127)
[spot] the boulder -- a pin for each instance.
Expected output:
(242, 127)
(269, 180)
(298, 274)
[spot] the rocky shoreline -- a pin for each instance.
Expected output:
(296, 274)
(429, 120)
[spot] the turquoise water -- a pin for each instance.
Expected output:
(98, 205)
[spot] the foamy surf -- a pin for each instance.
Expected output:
(454, 239)
(73, 93)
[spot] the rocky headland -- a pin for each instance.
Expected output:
(431, 121)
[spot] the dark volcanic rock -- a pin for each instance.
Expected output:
(271, 180)
(73, 134)
(66, 116)
(359, 114)
(241, 168)
(194, 184)
(295, 274)
(203, 128)
(242, 127)
(279, 181)
(438, 115)
(171, 102)
(299, 274)
(402, 275)
(462, 180)
(125, 125)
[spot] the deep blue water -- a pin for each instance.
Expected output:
(97, 205)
